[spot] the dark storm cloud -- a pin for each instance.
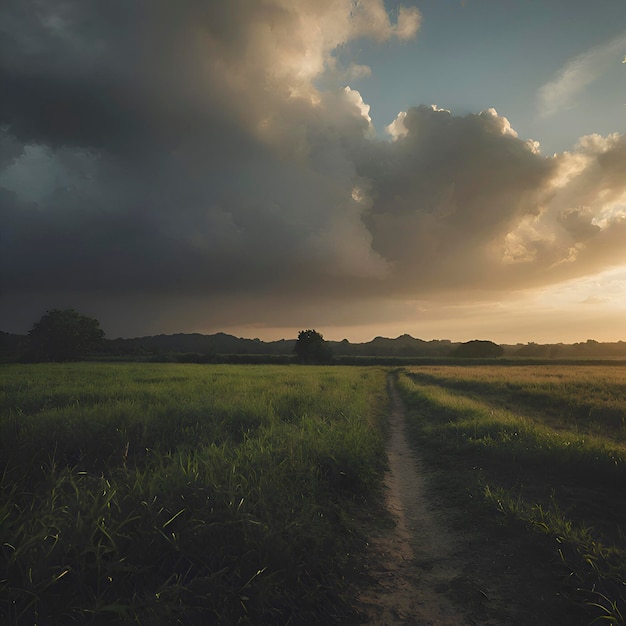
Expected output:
(67, 70)
(114, 76)
(178, 190)
(447, 190)
(178, 155)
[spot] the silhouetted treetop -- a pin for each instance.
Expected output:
(64, 335)
(312, 348)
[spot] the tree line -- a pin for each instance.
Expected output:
(67, 335)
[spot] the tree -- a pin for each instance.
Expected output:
(64, 335)
(312, 348)
(478, 349)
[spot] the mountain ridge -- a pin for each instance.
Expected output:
(404, 345)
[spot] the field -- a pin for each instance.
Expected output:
(163, 494)
(223, 494)
(545, 447)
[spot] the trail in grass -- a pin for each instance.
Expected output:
(413, 565)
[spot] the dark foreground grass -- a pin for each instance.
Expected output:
(539, 458)
(190, 494)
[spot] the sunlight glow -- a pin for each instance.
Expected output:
(611, 212)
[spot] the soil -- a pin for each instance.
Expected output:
(439, 565)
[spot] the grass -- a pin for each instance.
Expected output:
(193, 494)
(585, 399)
(541, 446)
(164, 494)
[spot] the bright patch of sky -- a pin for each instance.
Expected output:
(554, 69)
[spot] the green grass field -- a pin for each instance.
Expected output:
(193, 494)
(163, 494)
(545, 446)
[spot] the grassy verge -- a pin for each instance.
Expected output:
(534, 464)
(163, 494)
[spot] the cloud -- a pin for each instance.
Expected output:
(397, 128)
(409, 21)
(580, 222)
(461, 204)
(355, 98)
(355, 72)
(182, 147)
(179, 161)
(446, 193)
(576, 75)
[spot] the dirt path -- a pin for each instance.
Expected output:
(414, 564)
(443, 563)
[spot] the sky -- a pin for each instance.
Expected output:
(444, 168)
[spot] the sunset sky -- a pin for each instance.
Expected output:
(452, 170)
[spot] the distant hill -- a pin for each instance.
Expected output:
(405, 345)
(402, 346)
(585, 349)
(206, 347)
(219, 343)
